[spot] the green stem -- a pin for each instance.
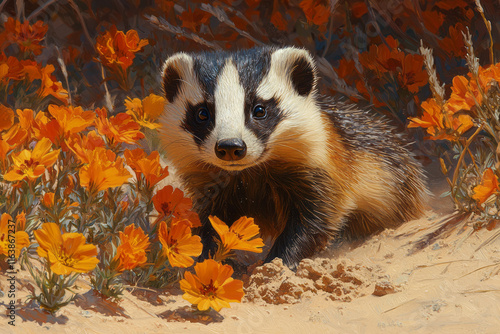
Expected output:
(461, 158)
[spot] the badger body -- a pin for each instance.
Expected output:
(250, 136)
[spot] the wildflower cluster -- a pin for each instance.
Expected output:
(469, 121)
(86, 192)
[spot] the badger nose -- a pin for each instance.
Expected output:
(230, 149)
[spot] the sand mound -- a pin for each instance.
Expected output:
(334, 279)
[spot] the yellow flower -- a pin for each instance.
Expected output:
(212, 286)
(179, 244)
(21, 238)
(103, 171)
(239, 235)
(488, 186)
(67, 253)
(145, 112)
(32, 164)
(132, 250)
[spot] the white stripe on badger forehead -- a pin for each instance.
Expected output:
(229, 99)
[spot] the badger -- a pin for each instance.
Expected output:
(249, 135)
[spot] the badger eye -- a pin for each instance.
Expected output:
(259, 112)
(202, 115)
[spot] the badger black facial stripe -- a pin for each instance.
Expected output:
(207, 67)
(263, 128)
(199, 130)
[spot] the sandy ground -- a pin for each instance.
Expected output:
(431, 275)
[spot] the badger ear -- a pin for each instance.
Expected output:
(299, 66)
(175, 70)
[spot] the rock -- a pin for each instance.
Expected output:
(383, 288)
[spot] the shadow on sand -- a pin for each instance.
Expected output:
(92, 301)
(188, 313)
(33, 312)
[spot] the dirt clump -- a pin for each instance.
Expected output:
(275, 283)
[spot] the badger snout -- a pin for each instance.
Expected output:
(231, 149)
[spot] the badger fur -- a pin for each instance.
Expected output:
(250, 136)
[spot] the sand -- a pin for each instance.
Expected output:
(430, 275)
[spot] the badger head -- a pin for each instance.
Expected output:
(239, 110)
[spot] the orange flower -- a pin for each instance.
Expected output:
(31, 70)
(132, 250)
(347, 70)
(28, 123)
(82, 145)
(50, 86)
(278, 21)
(168, 201)
(6, 117)
(408, 68)
(488, 186)
(149, 166)
(316, 11)
(32, 164)
(66, 253)
(120, 128)
(118, 49)
(433, 20)
(20, 238)
(27, 37)
(239, 235)
(432, 118)
(179, 244)
(488, 76)
(190, 216)
(454, 44)
(5, 148)
(103, 171)
(72, 119)
(10, 69)
(464, 94)
(145, 112)
(413, 75)
(15, 136)
(212, 286)
(193, 19)
(441, 124)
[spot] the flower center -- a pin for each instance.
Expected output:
(209, 289)
(27, 165)
(68, 261)
(165, 208)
